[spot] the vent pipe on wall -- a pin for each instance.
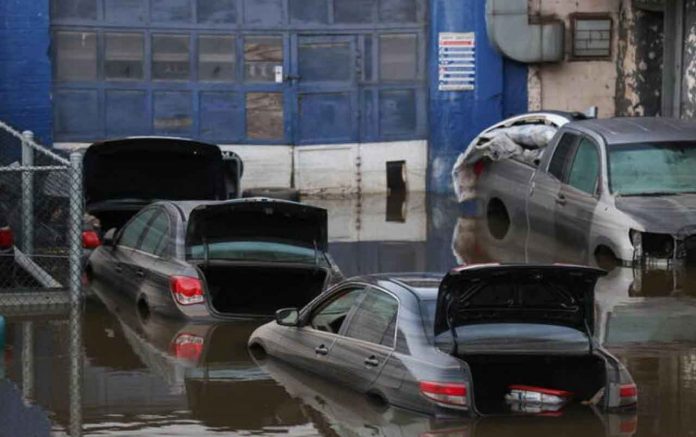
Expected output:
(511, 33)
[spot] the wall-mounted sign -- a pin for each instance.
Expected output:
(457, 61)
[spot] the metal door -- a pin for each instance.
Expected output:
(324, 75)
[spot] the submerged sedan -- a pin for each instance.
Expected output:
(241, 258)
(486, 339)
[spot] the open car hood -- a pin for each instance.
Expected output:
(516, 293)
(152, 168)
(259, 219)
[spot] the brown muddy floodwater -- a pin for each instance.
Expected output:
(139, 378)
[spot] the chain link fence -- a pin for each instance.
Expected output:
(41, 223)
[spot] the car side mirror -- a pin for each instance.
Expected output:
(287, 317)
(108, 238)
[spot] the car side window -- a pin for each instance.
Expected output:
(156, 235)
(561, 155)
(134, 229)
(330, 316)
(375, 319)
(584, 173)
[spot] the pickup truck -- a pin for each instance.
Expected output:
(601, 191)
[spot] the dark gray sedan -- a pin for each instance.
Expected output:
(241, 258)
(469, 342)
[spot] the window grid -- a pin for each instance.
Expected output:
(591, 36)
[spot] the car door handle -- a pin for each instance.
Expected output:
(371, 362)
(321, 350)
(140, 273)
(561, 199)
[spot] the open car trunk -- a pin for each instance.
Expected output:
(260, 290)
(492, 375)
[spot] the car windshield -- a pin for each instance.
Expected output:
(652, 168)
(255, 251)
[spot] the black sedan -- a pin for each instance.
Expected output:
(486, 339)
(235, 259)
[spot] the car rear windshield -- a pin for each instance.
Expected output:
(652, 168)
(254, 251)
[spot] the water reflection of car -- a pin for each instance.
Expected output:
(457, 344)
(621, 188)
(218, 260)
(348, 413)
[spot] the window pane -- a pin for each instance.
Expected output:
(74, 9)
(585, 171)
(398, 11)
(398, 57)
(173, 113)
(375, 319)
(217, 11)
(263, 12)
(397, 112)
(561, 155)
(326, 116)
(171, 11)
(132, 232)
(331, 316)
(261, 56)
(221, 116)
(264, 116)
(123, 57)
(126, 113)
(155, 234)
(76, 56)
(216, 56)
(127, 11)
(308, 11)
(326, 61)
(76, 112)
(170, 57)
(353, 11)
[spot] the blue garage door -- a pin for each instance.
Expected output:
(240, 71)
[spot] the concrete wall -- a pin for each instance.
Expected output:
(25, 67)
(575, 85)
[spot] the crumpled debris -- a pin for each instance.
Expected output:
(527, 142)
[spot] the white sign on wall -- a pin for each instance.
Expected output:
(457, 61)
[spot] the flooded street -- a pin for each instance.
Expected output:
(156, 376)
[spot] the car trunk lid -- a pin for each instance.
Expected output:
(129, 173)
(548, 294)
(259, 219)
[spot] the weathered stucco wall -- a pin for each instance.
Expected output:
(575, 85)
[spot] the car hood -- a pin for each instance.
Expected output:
(673, 214)
(517, 293)
(259, 219)
(152, 168)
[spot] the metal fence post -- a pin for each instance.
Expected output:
(27, 243)
(28, 361)
(76, 370)
(75, 228)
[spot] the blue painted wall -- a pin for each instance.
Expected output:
(456, 117)
(25, 67)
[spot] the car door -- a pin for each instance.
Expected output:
(120, 266)
(147, 257)
(543, 195)
(364, 346)
(310, 345)
(577, 201)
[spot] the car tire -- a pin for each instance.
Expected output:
(273, 193)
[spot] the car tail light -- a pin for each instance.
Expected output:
(628, 394)
(90, 240)
(444, 394)
(187, 347)
(186, 290)
(6, 238)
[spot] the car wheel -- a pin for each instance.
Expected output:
(605, 258)
(273, 193)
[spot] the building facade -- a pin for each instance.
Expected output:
(331, 95)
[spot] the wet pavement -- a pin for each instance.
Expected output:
(166, 377)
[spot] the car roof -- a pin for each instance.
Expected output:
(423, 285)
(622, 130)
(186, 206)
